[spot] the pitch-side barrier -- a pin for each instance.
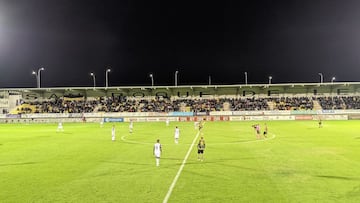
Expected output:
(181, 116)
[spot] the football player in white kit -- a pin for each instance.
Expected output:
(113, 133)
(177, 135)
(131, 126)
(167, 121)
(60, 127)
(196, 125)
(101, 123)
(157, 152)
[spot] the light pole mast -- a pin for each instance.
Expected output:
(107, 77)
(321, 78)
(37, 75)
(176, 77)
(93, 76)
(246, 82)
(152, 79)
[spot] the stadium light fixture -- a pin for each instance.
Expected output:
(37, 75)
(107, 77)
(270, 78)
(152, 79)
(321, 77)
(176, 77)
(333, 79)
(93, 76)
(245, 78)
(34, 73)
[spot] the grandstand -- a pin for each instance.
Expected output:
(211, 100)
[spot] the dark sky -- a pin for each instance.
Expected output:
(290, 40)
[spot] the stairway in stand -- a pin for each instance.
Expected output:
(317, 105)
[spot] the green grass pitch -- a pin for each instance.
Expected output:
(299, 162)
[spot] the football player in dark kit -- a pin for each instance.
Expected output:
(201, 148)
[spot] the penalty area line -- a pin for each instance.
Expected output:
(180, 169)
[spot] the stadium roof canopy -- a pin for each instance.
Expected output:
(239, 90)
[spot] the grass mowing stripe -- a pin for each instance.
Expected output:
(180, 169)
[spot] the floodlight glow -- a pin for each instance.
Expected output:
(333, 79)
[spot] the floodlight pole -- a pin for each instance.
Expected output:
(246, 82)
(107, 77)
(321, 77)
(209, 79)
(37, 75)
(270, 78)
(152, 79)
(176, 77)
(93, 76)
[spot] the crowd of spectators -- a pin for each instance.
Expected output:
(352, 102)
(64, 106)
(122, 104)
(117, 104)
(158, 105)
(293, 103)
(249, 104)
(333, 103)
(201, 105)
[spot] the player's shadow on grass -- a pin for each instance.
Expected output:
(66, 133)
(200, 174)
(122, 172)
(169, 158)
(42, 136)
(238, 167)
(222, 163)
(19, 164)
(338, 177)
(127, 163)
(238, 141)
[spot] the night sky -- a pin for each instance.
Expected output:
(290, 40)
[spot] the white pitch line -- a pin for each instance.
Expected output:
(180, 170)
(222, 143)
(134, 142)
